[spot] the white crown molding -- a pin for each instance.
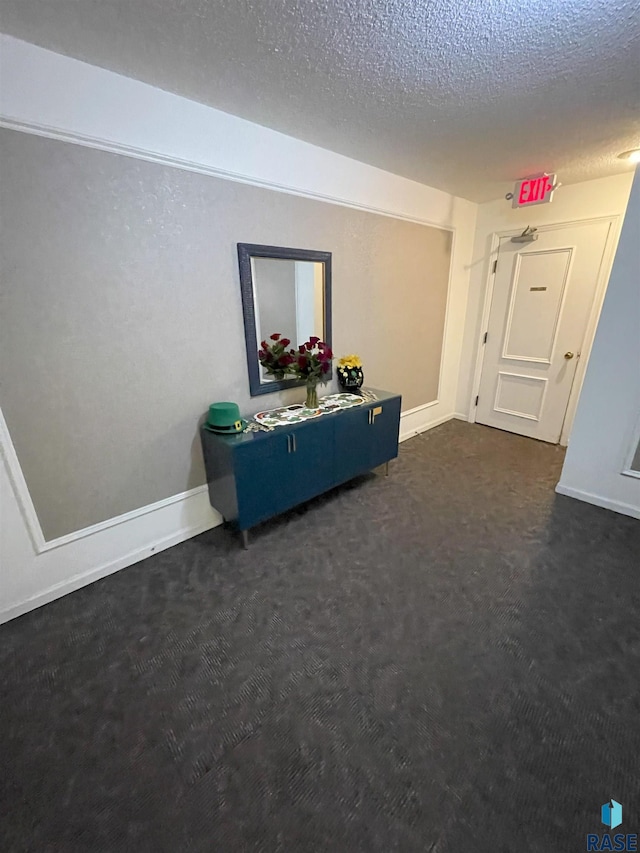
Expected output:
(56, 96)
(151, 156)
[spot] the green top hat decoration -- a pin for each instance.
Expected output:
(225, 418)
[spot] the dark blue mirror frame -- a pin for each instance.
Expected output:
(246, 251)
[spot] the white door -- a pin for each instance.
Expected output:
(542, 298)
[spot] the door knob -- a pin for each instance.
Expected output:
(568, 355)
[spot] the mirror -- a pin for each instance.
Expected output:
(632, 467)
(286, 291)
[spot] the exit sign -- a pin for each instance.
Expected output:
(535, 190)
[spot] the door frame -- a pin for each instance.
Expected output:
(615, 223)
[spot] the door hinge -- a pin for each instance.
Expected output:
(486, 335)
(477, 398)
(495, 266)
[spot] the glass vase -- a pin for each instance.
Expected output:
(312, 394)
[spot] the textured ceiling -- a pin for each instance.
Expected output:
(463, 95)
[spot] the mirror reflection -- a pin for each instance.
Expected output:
(289, 298)
(635, 462)
(286, 291)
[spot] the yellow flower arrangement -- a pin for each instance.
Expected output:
(350, 361)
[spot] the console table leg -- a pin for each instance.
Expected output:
(386, 469)
(245, 539)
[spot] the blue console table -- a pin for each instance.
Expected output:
(253, 476)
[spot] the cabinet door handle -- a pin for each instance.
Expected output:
(293, 439)
(288, 443)
(370, 416)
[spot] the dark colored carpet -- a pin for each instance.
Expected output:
(445, 660)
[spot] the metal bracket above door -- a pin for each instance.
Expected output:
(528, 236)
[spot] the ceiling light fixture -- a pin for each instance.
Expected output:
(632, 156)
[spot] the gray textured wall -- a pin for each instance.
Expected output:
(121, 317)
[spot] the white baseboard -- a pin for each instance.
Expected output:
(411, 433)
(112, 546)
(460, 416)
(598, 500)
(84, 579)
(416, 421)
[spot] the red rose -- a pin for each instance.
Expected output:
(302, 362)
(286, 359)
(302, 349)
(264, 345)
(262, 354)
(285, 342)
(275, 336)
(328, 353)
(313, 340)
